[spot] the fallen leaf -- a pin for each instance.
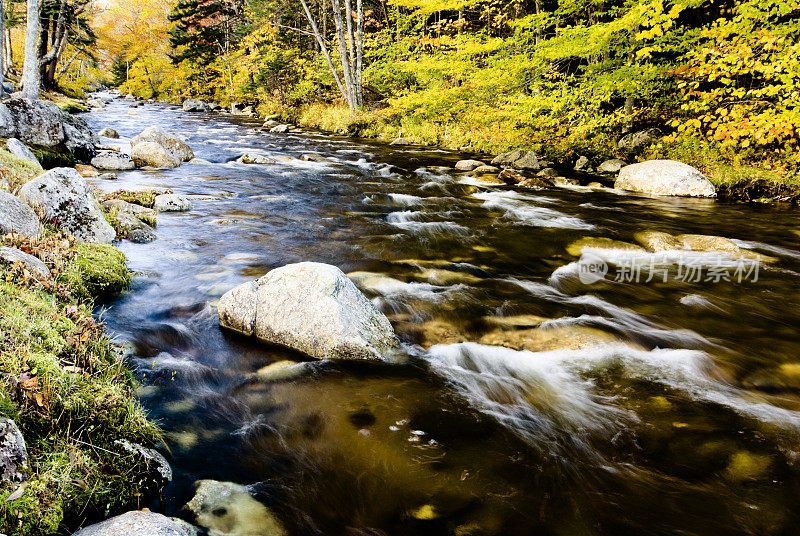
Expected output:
(18, 493)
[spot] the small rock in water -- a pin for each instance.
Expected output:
(484, 170)
(113, 161)
(656, 241)
(665, 177)
(565, 181)
(86, 171)
(254, 158)
(171, 203)
(228, 509)
(282, 371)
(468, 165)
(310, 157)
(400, 142)
(280, 129)
(109, 133)
(548, 172)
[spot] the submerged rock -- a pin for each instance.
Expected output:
(113, 161)
(136, 523)
(19, 149)
(13, 453)
(86, 171)
(135, 229)
(254, 158)
(665, 177)
(33, 264)
(16, 216)
(62, 196)
(544, 339)
(312, 308)
(228, 509)
(656, 241)
(484, 170)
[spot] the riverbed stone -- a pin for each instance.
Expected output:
(519, 159)
(158, 465)
(13, 452)
(599, 242)
(468, 165)
(19, 149)
(582, 164)
(511, 176)
(61, 195)
(151, 154)
(113, 161)
(312, 308)
(665, 177)
(87, 171)
(176, 147)
(16, 216)
(79, 139)
(400, 142)
(172, 203)
(135, 229)
(109, 133)
(8, 129)
(545, 339)
(611, 166)
(135, 523)
(228, 509)
(548, 172)
(565, 181)
(124, 206)
(33, 264)
(311, 157)
(280, 129)
(484, 170)
(255, 158)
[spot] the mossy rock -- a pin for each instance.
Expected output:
(577, 247)
(98, 271)
(17, 171)
(53, 157)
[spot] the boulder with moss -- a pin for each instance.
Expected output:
(96, 271)
(63, 197)
(174, 147)
(13, 452)
(113, 161)
(31, 263)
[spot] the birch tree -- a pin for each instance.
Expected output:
(350, 38)
(30, 70)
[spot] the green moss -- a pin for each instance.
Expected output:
(53, 157)
(97, 271)
(149, 219)
(145, 198)
(78, 402)
(17, 171)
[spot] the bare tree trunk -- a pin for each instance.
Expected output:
(324, 48)
(30, 71)
(360, 54)
(340, 33)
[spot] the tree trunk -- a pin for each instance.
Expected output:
(324, 48)
(49, 59)
(30, 71)
(340, 34)
(360, 54)
(2, 48)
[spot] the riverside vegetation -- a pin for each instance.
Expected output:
(720, 80)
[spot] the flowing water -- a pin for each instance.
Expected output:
(625, 408)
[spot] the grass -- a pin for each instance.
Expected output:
(145, 198)
(17, 171)
(68, 392)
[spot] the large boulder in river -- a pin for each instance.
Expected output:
(79, 139)
(174, 146)
(136, 523)
(151, 154)
(113, 161)
(665, 177)
(171, 203)
(62, 196)
(16, 216)
(312, 308)
(194, 105)
(468, 165)
(227, 508)
(518, 159)
(109, 133)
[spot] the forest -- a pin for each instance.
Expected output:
(719, 78)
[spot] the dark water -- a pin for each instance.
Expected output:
(645, 407)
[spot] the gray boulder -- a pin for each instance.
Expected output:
(135, 229)
(109, 133)
(468, 165)
(311, 157)
(312, 308)
(665, 177)
(548, 172)
(280, 129)
(19, 149)
(34, 265)
(175, 146)
(400, 142)
(640, 139)
(195, 105)
(61, 195)
(151, 154)
(79, 139)
(238, 108)
(37, 122)
(518, 159)
(16, 216)
(136, 523)
(113, 161)
(8, 129)
(172, 203)
(13, 454)
(582, 164)
(226, 508)
(611, 166)
(124, 206)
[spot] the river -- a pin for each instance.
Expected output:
(645, 407)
